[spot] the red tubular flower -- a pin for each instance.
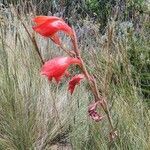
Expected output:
(57, 67)
(93, 113)
(75, 81)
(48, 26)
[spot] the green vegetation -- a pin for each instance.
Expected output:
(35, 114)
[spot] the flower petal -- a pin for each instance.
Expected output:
(48, 27)
(93, 113)
(74, 81)
(41, 19)
(95, 116)
(57, 67)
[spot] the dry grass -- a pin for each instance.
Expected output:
(35, 114)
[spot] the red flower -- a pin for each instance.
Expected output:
(57, 67)
(93, 113)
(74, 81)
(48, 26)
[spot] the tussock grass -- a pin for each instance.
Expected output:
(35, 114)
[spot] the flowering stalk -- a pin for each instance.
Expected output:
(56, 68)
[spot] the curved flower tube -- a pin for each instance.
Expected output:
(48, 26)
(75, 81)
(57, 67)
